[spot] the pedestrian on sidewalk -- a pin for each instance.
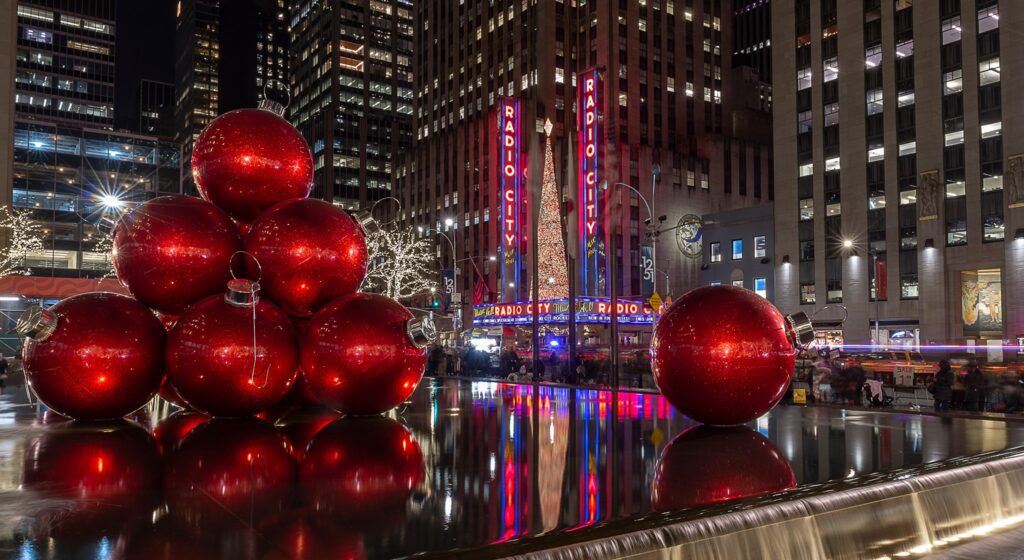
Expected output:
(942, 387)
(3, 373)
(974, 398)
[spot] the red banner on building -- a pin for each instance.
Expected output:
(881, 282)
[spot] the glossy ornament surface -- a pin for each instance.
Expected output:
(361, 469)
(357, 355)
(301, 425)
(93, 356)
(230, 473)
(94, 478)
(210, 357)
(247, 160)
(309, 252)
(723, 355)
(707, 465)
(173, 251)
(171, 431)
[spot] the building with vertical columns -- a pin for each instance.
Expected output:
(224, 59)
(351, 89)
(665, 101)
(899, 168)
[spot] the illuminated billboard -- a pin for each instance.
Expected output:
(588, 310)
(591, 148)
(511, 193)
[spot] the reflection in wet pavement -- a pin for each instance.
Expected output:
(464, 465)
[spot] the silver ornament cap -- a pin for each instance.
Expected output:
(275, 107)
(37, 323)
(421, 331)
(242, 292)
(367, 222)
(802, 329)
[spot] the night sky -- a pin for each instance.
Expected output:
(145, 49)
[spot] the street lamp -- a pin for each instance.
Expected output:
(874, 270)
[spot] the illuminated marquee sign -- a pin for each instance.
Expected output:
(588, 112)
(588, 310)
(511, 191)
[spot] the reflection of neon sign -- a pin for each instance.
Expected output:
(588, 111)
(511, 196)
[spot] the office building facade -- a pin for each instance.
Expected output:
(156, 108)
(351, 87)
(226, 59)
(65, 61)
(900, 168)
(641, 91)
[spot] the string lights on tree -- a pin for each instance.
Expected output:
(551, 265)
(402, 264)
(23, 235)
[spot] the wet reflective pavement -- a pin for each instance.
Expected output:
(469, 468)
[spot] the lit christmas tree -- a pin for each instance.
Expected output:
(551, 266)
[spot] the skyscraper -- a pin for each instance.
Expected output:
(900, 179)
(752, 36)
(639, 95)
(224, 59)
(156, 108)
(68, 169)
(351, 89)
(65, 61)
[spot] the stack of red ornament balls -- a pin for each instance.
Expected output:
(221, 345)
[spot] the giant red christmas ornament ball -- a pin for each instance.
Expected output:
(247, 160)
(723, 355)
(361, 469)
(364, 353)
(91, 478)
(707, 465)
(173, 251)
(93, 356)
(308, 253)
(230, 473)
(210, 357)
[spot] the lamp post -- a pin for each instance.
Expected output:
(455, 262)
(874, 270)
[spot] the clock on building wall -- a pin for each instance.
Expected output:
(690, 235)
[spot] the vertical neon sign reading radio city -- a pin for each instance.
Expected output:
(511, 195)
(588, 121)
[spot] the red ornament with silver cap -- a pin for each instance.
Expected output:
(232, 354)
(724, 355)
(173, 251)
(93, 356)
(311, 253)
(364, 353)
(247, 160)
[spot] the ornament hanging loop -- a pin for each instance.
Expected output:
(259, 267)
(276, 107)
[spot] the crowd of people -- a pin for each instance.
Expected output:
(969, 389)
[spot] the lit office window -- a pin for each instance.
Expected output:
(761, 287)
(760, 246)
(716, 252)
(737, 249)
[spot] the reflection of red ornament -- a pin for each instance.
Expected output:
(723, 355)
(164, 540)
(247, 160)
(363, 353)
(230, 472)
(173, 251)
(102, 476)
(173, 429)
(361, 469)
(298, 539)
(309, 252)
(93, 356)
(706, 465)
(302, 425)
(210, 354)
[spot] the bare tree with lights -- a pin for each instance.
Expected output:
(402, 264)
(23, 236)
